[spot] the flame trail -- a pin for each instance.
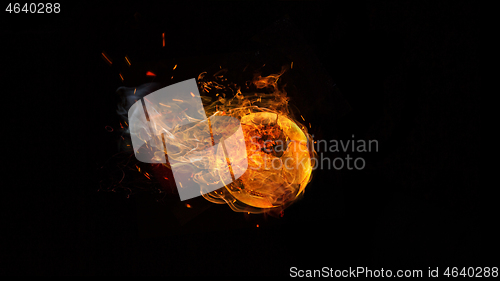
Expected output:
(280, 153)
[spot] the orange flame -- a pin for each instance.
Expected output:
(264, 117)
(280, 153)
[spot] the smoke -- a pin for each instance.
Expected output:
(129, 95)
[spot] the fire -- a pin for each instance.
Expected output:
(279, 161)
(280, 153)
(279, 150)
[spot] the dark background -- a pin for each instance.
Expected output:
(403, 73)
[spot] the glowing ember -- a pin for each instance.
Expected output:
(279, 163)
(279, 150)
(106, 58)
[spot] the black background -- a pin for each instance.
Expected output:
(404, 73)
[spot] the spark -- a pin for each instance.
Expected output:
(291, 66)
(127, 60)
(192, 94)
(106, 58)
(164, 104)
(177, 100)
(163, 38)
(135, 90)
(121, 76)
(149, 73)
(187, 205)
(302, 117)
(175, 67)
